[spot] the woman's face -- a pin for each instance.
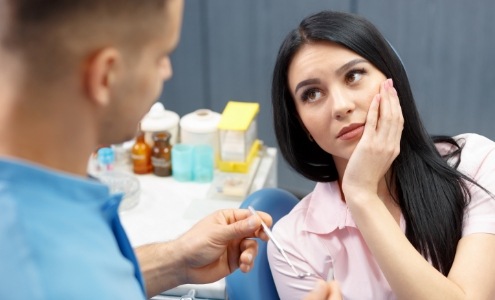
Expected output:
(332, 88)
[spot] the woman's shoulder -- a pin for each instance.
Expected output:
(477, 152)
(476, 149)
(324, 199)
(469, 141)
(477, 156)
(296, 216)
(475, 141)
(478, 162)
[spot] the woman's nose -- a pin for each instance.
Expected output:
(342, 104)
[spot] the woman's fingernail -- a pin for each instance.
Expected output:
(390, 83)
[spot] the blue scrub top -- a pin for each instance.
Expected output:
(61, 238)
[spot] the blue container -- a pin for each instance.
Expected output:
(182, 162)
(204, 163)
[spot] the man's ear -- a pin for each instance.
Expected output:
(100, 74)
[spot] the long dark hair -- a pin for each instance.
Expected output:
(432, 194)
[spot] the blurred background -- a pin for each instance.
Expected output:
(228, 49)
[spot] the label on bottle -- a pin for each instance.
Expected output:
(161, 166)
(160, 162)
(138, 156)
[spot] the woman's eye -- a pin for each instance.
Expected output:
(354, 76)
(311, 95)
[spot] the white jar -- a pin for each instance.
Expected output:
(200, 128)
(159, 119)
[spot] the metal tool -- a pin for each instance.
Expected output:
(279, 247)
(191, 295)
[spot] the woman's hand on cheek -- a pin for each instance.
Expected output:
(379, 145)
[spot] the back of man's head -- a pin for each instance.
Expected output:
(51, 36)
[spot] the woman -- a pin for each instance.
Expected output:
(395, 213)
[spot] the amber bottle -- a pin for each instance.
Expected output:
(141, 155)
(160, 154)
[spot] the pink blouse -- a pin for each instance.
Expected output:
(321, 237)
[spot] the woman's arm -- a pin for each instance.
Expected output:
(325, 291)
(408, 273)
(288, 285)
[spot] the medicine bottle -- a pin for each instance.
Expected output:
(141, 155)
(161, 154)
(159, 119)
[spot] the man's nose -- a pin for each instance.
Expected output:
(165, 69)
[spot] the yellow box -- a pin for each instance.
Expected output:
(238, 136)
(238, 166)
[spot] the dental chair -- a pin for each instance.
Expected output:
(258, 283)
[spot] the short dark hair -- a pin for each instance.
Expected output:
(47, 33)
(431, 194)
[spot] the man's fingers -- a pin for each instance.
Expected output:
(247, 225)
(249, 250)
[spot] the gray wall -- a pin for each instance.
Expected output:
(228, 49)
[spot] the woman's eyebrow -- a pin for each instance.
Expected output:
(349, 65)
(338, 72)
(306, 82)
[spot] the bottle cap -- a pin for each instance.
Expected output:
(159, 119)
(106, 155)
(200, 121)
(161, 135)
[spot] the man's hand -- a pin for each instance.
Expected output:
(325, 291)
(220, 243)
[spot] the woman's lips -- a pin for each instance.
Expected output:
(351, 131)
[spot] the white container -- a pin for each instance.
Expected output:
(200, 128)
(159, 119)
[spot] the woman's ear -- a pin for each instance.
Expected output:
(310, 137)
(100, 75)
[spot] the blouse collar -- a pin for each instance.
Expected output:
(326, 203)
